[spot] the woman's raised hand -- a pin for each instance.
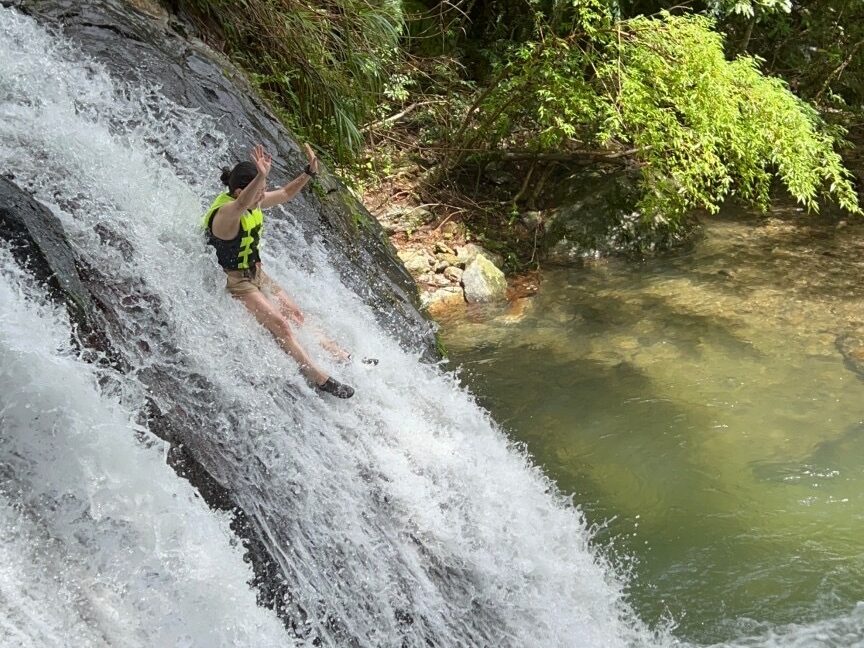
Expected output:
(262, 159)
(313, 159)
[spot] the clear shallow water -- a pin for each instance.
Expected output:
(699, 405)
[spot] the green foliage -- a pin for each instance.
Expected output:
(819, 48)
(705, 127)
(323, 64)
(701, 127)
(748, 8)
(441, 83)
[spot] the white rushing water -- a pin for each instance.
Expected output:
(399, 517)
(100, 544)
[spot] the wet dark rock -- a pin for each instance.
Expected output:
(38, 244)
(137, 46)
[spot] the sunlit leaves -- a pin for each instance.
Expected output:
(702, 128)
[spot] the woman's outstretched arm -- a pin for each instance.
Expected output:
(293, 187)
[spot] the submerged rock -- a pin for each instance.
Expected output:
(483, 282)
(851, 347)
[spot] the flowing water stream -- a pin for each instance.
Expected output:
(699, 408)
(401, 517)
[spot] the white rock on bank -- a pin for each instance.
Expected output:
(483, 282)
(415, 261)
(468, 252)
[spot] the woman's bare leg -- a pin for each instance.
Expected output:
(271, 319)
(290, 310)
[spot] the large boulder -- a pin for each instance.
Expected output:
(483, 282)
(592, 213)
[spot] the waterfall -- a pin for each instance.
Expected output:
(401, 517)
(100, 543)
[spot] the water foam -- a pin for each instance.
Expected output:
(101, 544)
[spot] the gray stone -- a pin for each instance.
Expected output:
(415, 260)
(450, 259)
(433, 279)
(483, 282)
(468, 252)
(453, 274)
(401, 219)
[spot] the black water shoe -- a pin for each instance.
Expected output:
(336, 388)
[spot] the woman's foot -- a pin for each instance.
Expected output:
(366, 361)
(337, 389)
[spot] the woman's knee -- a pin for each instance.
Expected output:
(283, 330)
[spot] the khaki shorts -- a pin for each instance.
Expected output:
(243, 282)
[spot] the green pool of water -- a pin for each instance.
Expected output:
(700, 412)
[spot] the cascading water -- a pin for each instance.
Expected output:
(401, 517)
(100, 543)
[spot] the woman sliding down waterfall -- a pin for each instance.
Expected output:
(233, 223)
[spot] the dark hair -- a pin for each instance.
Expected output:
(238, 177)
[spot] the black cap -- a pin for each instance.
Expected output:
(238, 177)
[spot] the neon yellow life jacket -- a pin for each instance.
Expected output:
(241, 252)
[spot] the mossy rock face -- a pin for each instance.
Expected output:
(483, 282)
(593, 214)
